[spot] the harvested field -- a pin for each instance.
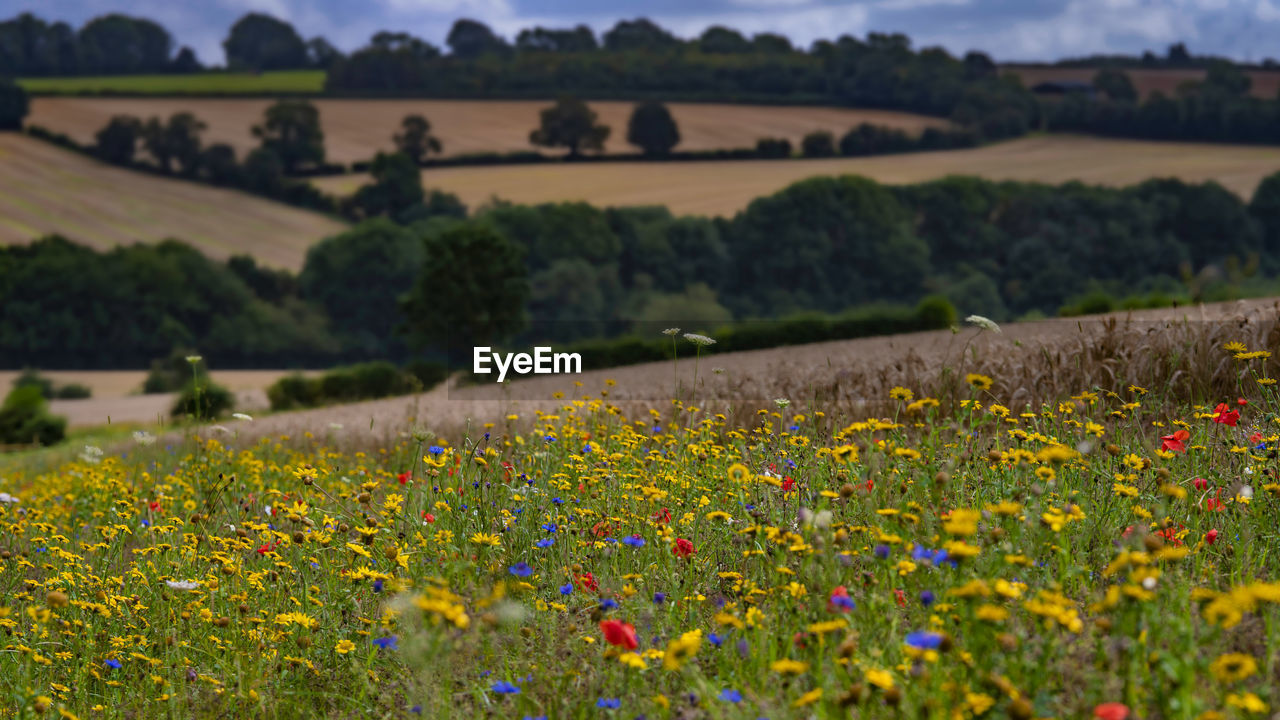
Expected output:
(357, 129)
(45, 189)
(1265, 82)
(1175, 350)
(725, 187)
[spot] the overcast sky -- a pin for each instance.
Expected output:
(1005, 29)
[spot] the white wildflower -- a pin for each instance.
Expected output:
(142, 437)
(6, 498)
(984, 323)
(91, 454)
(697, 339)
(221, 428)
(671, 331)
(241, 416)
(782, 403)
(182, 584)
(335, 426)
(193, 359)
(1246, 493)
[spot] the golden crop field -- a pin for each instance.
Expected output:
(725, 187)
(1145, 80)
(357, 129)
(45, 189)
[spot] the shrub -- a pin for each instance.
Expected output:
(171, 373)
(30, 377)
(202, 400)
(25, 418)
(294, 391)
(818, 143)
(429, 374)
(936, 312)
(365, 381)
(773, 147)
(73, 391)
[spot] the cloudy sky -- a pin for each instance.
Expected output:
(1006, 29)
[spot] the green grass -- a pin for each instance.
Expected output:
(215, 83)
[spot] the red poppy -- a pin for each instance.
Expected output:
(787, 484)
(1200, 484)
(507, 469)
(839, 600)
(662, 517)
(1175, 442)
(602, 529)
(588, 582)
(1214, 503)
(683, 548)
(871, 484)
(1224, 415)
(1241, 401)
(428, 517)
(1111, 711)
(154, 505)
(1255, 438)
(900, 597)
(619, 633)
(269, 547)
(1211, 537)
(403, 477)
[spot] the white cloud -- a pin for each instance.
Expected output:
(916, 4)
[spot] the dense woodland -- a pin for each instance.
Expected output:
(387, 288)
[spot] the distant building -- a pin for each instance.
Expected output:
(1064, 87)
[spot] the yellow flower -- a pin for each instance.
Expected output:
(962, 522)
(992, 613)
(1247, 702)
(879, 678)
(681, 649)
(978, 703)
(901, 393)
(486, 539)
(981, 382)
(808, 698)
(1233, 667)
(344, 646)
(787, 666)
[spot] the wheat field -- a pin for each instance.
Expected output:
(357, 129)
(45, 189)
(725, 187)
(1265, 83)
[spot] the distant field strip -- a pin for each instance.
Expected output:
(1145, 80)
(45, 189)
(725, 187)
(284, 81)
(357, 129)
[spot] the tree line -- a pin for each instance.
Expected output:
(397, 287)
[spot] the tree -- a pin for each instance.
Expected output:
(13, 104)
(1115, 84)
(652, 129)
(818, 143)
(1265, 208)
(218, 163)
(720, 39)
(978, 66)
(263, 172)
(178, 141)
(570, 124)
(471, 291)
(469, 39)
(115, 43)
(118, 141)
(291, 129)
(415, 138)
(321, 53)
(396, 186)
(1227, 77)
(185, 62)
(579, 39)
(640, 34)
(261, 42)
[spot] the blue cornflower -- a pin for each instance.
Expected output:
(113, 664)
(546, 542)
(882, 551)
(924, 640)
(435, 449)
(535, 717)
(659, 598)
(416, 709)
(502, 687)
(390, 642)
(550, 438)
(550, 527)
(566, 588)
(730, 695)
(557, 501)
(842, 601)
(927, 597)
(608, 604)
(377, 585)
(794, 428)
(586, 448)
(521, 569)
(609, 703)
(633, 541)
(715, 639)
(657, 429)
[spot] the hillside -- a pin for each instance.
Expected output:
(1265, 83)
(357, 129)
(723, 188)
(45, 189)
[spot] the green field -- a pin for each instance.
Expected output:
(285, 81)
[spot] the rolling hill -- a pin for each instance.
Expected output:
(725, 187)
(357, 129)
(45, 189)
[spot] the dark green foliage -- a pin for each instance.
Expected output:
(819, 143)
(358, 277)
(291, 130)
(294, 391)
(168, 374)
(261, 42)
(1265, 208)
(1115, 84)
(469, 39)
(396, 186)
(539, 39)
(117, 142)
(177, 141)
(652, 129)
(202, 400)
(570, 124)
(73, 391)
(13, 104)
(25, 419)
(471, 290)
(218, 165)
(118, 44)
(365, 381)
(415, 138)
(773, 147)
(30, 377)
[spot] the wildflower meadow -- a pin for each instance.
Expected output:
(1111, 554)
